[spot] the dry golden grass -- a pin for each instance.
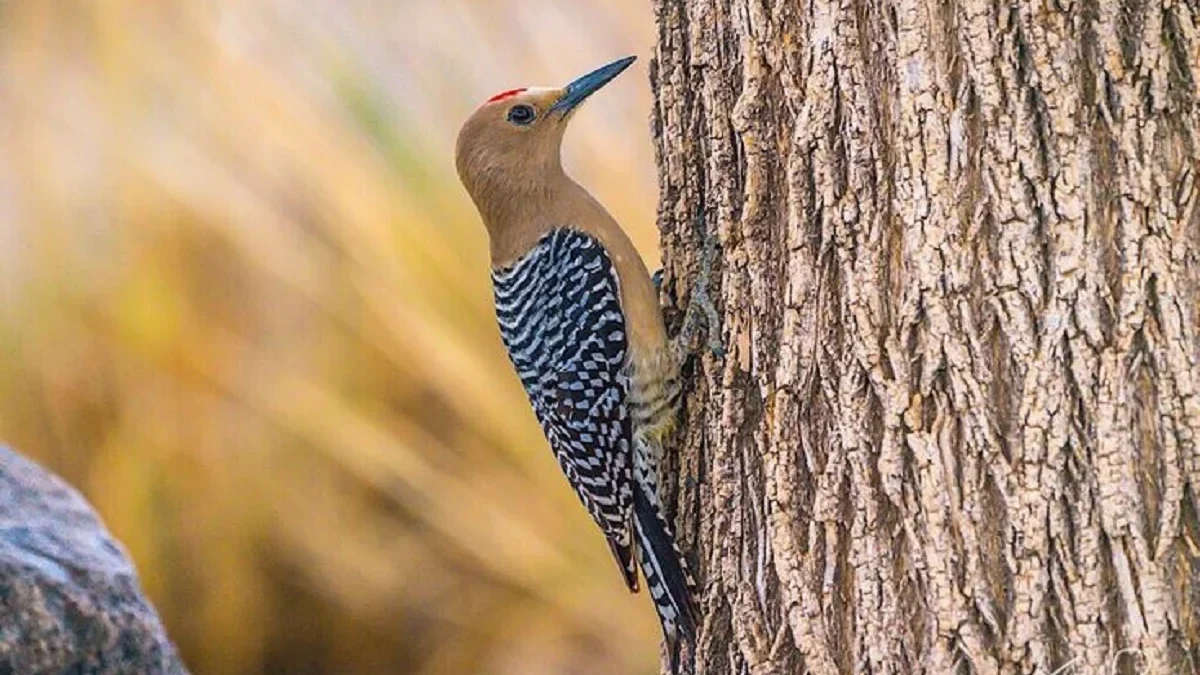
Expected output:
(245, 307)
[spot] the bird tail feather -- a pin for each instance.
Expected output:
(667, 577)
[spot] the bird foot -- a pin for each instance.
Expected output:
(700, 307)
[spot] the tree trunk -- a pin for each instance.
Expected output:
(956, 427)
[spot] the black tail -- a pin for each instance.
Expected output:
(666, 575)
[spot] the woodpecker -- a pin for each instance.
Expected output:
(578, 313)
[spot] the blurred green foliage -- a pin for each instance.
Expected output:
(244, 306)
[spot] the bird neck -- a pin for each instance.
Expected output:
(519, 214)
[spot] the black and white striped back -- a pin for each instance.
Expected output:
(560, 317)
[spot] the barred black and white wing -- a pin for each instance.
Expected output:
(560, 317)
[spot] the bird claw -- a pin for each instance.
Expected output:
(702, 310)
(713, 324)
(700, 305)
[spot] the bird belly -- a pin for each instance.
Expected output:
(654, 397)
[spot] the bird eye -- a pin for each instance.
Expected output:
(521, 115)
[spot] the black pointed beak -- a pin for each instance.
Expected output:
(580, 89)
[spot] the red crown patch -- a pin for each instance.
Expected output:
(506, 94)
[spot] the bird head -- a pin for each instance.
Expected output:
(511, 144)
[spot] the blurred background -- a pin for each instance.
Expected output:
(245, 307)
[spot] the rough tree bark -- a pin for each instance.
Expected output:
(956, 430)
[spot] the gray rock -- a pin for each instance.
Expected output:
(70, 602)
